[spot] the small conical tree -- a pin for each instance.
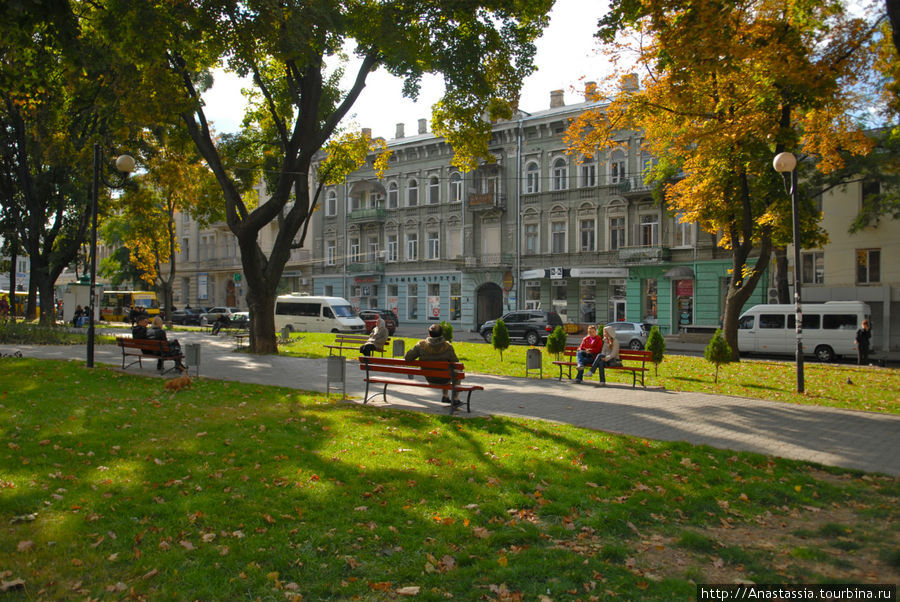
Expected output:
(718, 351)
(656, 345)
(500, 337)
(556, 342)
(447, 329)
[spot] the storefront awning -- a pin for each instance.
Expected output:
(680, 272)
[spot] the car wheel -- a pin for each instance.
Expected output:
(532, 338)
(636, 344)
(825, 353)
(487, 335)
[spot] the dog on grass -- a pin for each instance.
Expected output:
(178, 383)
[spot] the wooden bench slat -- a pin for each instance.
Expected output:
(635, 355)
(351, 341)
(442, 369)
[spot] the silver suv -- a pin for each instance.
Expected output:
(632, 335)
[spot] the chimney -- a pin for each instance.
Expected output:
(423, 126)
(399, 131)
(556, 99)
(629, 83)
(590, 90)
(367, 132)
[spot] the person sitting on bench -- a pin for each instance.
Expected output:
(158, 332)
(377, 339)
(609, 355)
(435, 347)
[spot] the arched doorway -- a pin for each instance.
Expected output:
(488, 302)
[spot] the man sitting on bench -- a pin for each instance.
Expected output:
(435, 347)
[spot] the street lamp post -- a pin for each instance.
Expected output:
(125, 165)
(786, 165)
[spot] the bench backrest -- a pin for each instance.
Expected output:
(144, 344)
(353, 338)
(638, 355)
(425, 368)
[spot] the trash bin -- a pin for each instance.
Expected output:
(533, 361)
(336, 373)
(192, 357)
(399, 348)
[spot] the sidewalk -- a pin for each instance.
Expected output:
(849, 439)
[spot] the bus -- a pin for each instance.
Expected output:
(116, 306)
(17, 305)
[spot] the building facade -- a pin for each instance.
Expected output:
(538, 228)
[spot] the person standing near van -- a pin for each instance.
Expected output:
(863, 336)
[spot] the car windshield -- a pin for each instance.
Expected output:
(342, 311)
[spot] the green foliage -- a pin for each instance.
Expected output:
(718, 351)
(556, 342)
(29, 333)
(500, 337)
(656, 344)
(447, 329)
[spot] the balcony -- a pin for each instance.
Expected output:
(492, 260)
(366, 267)
(486, 201)
(369, 214)
(632, 185)
(642, 255)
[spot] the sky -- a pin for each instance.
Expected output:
(565, 58)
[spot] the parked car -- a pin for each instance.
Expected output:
(240, 319)
(631, 335)
(370, 316)
(186, 317)
(532, 326)
(214, 312)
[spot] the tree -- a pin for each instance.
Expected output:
(56, 99)
(447, 329)
(500, 337)
(556, 342)
(656, 345)
(728, 84)
(175, 182)
(483, 49)
(718, 351)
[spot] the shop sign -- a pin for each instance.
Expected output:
(556, 273)
(684, 288)
(599, 273)
(532, 274)
(434, 307)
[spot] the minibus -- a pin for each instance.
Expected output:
(829, 329)
(305, 313)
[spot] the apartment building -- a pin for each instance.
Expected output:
(537, 228)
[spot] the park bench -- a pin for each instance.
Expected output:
(152, 348)
(379, 370)
(351, 342)
(626, 355)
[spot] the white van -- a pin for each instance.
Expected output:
(303, 313)
(829, 329)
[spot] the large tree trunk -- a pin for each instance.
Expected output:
(13, 258)
(262, 321)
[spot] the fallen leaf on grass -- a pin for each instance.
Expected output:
(411, 590)
(6, 586)
(186, 545)
(25, 546)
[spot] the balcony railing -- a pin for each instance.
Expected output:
(643, 254)
(369, 214)
(366, 267)
(490, 260)
(485, 201)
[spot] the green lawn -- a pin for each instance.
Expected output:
(835, 385)
(111, 487)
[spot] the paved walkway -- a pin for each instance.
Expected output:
(850, 439)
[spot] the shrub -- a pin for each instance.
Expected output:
(25, 333)
(718, 351)
(447, 329)
(656, 344)
(500, 337)
(556, 342)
